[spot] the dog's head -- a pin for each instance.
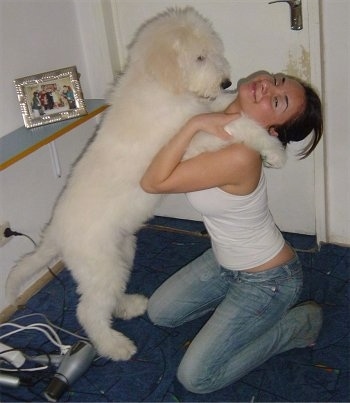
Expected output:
(181, 51)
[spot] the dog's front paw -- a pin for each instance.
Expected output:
(131, 306)
(274, 158)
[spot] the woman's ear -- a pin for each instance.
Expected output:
(272, 131)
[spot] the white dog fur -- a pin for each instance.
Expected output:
(175, 68)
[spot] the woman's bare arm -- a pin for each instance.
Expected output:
(167, 173)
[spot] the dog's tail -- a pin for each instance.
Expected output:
(31, 264)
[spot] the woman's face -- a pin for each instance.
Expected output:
(271, 100)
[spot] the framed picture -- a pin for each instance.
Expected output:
(50, 97)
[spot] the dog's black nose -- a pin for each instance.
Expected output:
(225, 84)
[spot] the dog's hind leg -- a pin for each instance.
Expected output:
(130, 305)
(102, 275)
(127, 247)
(94, 314)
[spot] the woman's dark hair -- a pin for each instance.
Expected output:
(309, 120)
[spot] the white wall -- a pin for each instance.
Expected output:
(35, 36)
(336, 40)
(42, 35)
(38, 36)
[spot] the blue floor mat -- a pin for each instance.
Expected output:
(319, 374)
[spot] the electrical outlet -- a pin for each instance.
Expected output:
(3, 238)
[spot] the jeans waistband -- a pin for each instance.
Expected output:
(290, 268)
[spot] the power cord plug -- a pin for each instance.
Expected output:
(8, 232)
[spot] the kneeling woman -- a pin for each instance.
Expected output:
(251, 278)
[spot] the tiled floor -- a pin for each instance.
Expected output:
(319, 374)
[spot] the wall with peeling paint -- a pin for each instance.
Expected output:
(299, 63)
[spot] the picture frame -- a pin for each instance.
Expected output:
(50, 97)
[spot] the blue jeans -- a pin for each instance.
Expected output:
(251, 319)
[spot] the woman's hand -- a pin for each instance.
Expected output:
(212, 123)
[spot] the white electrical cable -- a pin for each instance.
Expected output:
(25, 369)
(52, 325)
(47, 329)
(37, 326)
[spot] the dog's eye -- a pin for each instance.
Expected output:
(200, 58)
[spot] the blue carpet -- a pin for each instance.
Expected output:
(319, 374)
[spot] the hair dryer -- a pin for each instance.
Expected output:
(75, 362)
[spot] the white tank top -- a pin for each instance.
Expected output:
(242, 230)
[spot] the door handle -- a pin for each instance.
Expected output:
(296, 14)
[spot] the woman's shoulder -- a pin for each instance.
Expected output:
(244, 165)
(242, 155)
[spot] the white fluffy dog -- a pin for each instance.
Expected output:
(175, 67)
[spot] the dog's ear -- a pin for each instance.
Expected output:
(163, 65)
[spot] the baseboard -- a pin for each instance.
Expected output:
(30, 292)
